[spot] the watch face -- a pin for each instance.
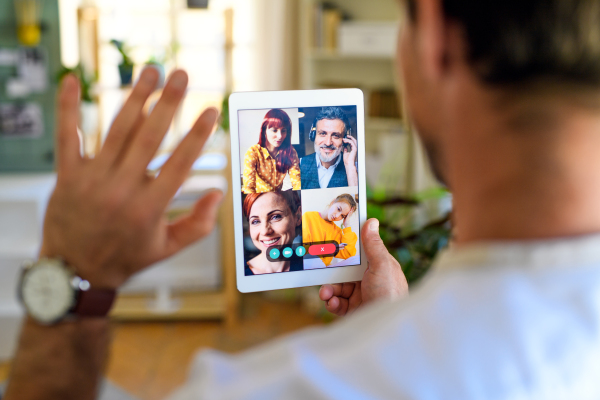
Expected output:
(46, 291)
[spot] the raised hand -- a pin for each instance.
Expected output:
(349, 157)
(348, 218)
(383, 279)
(350, 154)
(106, 217)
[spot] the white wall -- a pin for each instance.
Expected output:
(23, 200)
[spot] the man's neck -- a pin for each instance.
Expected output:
(518, 179)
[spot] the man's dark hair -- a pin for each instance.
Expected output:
(333, 113)
(523, 41)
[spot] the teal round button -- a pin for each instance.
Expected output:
(287, 252)
(300, 251)
(274, 253)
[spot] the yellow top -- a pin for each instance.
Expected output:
(260, 171)
(316, 229)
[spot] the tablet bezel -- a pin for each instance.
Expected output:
(294, 99)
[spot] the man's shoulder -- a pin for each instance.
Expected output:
(474, 309)
(501, 319)
(308, 158)
(456, 336)
(308, 161)
(339, 177)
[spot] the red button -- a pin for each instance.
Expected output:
(321, 249)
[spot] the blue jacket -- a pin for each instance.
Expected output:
(309, 176)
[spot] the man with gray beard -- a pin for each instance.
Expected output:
(332, 164)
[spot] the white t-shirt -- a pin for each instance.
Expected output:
(491, 321)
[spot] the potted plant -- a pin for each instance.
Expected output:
(224, 117)
(414, 246)
(86, 81)
(158, 63)
(126, 65)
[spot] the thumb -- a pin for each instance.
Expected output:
(196, 225)
(375, 250)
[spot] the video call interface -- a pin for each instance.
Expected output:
(299, 175)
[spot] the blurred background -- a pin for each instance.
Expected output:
(190, 301)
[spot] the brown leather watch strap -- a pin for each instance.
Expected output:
(94, 302)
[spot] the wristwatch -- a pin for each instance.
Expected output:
(51, 291)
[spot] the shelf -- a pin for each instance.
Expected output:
(381, 124)
(189, 306)
(333, 55)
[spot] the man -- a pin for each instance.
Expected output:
(506, 98)
(333, 164)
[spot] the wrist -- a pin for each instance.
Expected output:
(84, 269)
(91, 327)
(52, 291)
(62, 361)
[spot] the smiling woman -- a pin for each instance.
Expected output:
(274, 219)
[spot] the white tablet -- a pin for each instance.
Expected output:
(299, 194)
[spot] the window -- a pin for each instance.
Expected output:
(167, 31)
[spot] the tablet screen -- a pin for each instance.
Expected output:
(299, 177)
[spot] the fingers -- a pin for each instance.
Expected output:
(342, 289)
(384, 278)
(355, 299)
(341, 298)
(194, 226)
(139, 122)
(67, 146)
(129, 119)
(347, 302)
(148, 139)
(376, 252)
(176, 169)
(326, 292)
(352, 141)
(337, 306)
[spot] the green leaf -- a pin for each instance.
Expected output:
(374, 211)
(432, 193)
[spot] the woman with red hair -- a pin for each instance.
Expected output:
(267, 162)
(274, 219)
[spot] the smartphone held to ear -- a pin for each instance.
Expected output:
(293, 194)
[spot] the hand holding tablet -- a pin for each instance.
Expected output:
(303, 232)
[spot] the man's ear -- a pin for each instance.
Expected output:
(430, 29)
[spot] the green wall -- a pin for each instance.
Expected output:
(22, 154)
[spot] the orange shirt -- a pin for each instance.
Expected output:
(316, 229)
(260, 171)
